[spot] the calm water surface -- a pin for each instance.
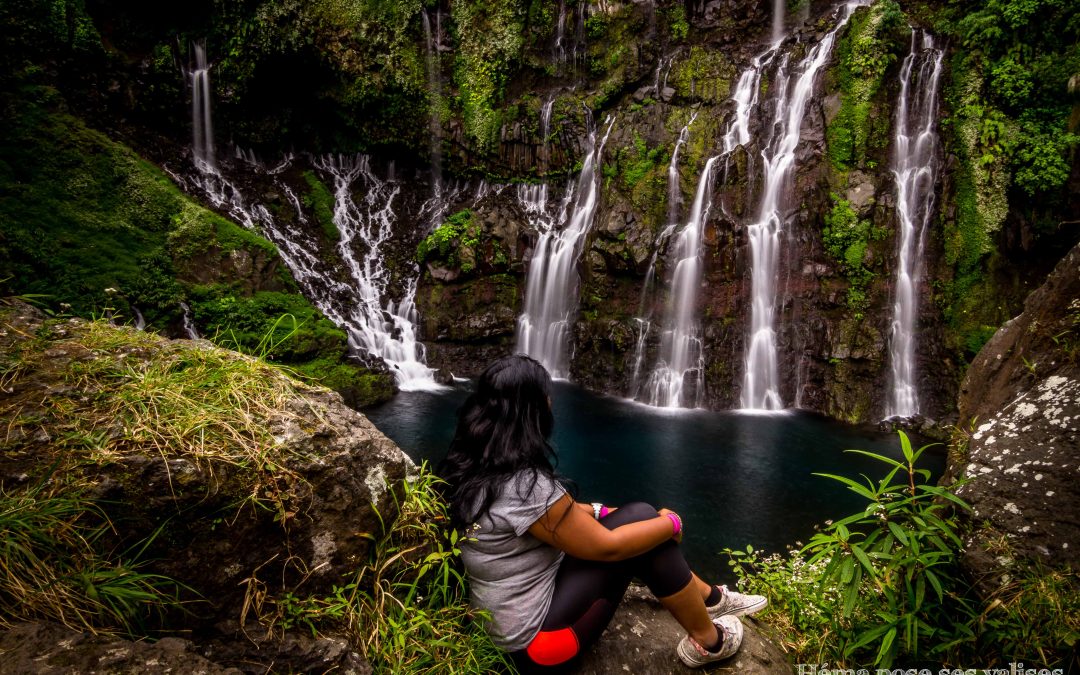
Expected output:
(735, 478)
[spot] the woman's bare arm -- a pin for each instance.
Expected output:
(576, 532)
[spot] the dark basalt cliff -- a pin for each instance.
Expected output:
(457, 106)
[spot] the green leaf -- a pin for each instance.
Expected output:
(852, 485)
(865, 561)
(847, 571)
(933, 579)
(898, 532)
(883, 655)
(880, 458)
(905, 446)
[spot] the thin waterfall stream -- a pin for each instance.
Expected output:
(915, 167)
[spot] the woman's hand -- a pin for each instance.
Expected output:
(576, 531)
(677, 536)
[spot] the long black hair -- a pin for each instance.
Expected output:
(503, 428)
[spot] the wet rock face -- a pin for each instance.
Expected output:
(1022, 396)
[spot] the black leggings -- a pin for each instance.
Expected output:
(587, 593)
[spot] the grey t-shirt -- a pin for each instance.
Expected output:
(512, 573)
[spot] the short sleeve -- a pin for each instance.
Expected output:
(527, 498)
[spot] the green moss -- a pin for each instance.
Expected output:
(489, 42)
(846, 238)
(867, 49)
(321, 201)
(704, 74)
(677, 24)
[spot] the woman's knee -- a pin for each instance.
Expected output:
(634, 512)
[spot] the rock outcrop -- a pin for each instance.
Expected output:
(1021, 396)
(642, 637)
(50, 649)
(294, 511)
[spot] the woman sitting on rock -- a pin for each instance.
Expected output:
(551, 571)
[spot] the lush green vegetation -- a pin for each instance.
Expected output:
(407, 607)
(884, 586)
(869, 46)
(95, 230)
(703, 75)
(489, 45)
(1009, 106)
(846, 238)
(461, 243)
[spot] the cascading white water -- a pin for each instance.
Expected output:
(915, 167)
(202, 130)
(761, 382)
(385, 331)
(681, 359)
(187, 323)
(558, 50)
(778, 9)
(644, 318)
(552, 280)
(545, 132)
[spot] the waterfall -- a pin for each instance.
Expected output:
(778, 8)
(435, 97)
(384, 331)
(140, 320)
(681, 360)
(915, 167)
(761, 383)
(551, 289)
(545, 131)
(674, 200)
(188, 323)
(558, 50)
(202, 131)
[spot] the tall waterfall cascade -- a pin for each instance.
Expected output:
(915, 165)
(373, 323)
(202, 129)
(779, 7)
(793, 88)
(543, 329)
(644, 318)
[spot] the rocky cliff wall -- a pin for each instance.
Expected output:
(456, 116)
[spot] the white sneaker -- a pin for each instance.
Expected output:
(736, 604)
(695, 656)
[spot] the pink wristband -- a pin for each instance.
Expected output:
(676, 524)
(604, 511)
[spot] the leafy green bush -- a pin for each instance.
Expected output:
(443, 244)
(884, 586)
(846, 238)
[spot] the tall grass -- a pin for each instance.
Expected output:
(407, 608)
(132, 393)
(54, 566)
